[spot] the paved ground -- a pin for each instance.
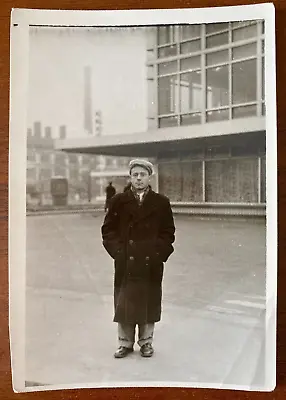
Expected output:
(213, 308)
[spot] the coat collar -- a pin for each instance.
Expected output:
(139, 212)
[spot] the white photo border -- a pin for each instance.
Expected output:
(21, 20)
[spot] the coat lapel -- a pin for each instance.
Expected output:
(137, 212)
(148, 206)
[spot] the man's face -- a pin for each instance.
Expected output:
(140, 178)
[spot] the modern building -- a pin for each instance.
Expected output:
(206, 118)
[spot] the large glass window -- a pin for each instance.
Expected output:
(232, 180)
(170, 180)
(192, 181)
(218, 87)
(191, 96)
(168, 94)
(244, 82)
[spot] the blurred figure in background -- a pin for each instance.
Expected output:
(110, 192)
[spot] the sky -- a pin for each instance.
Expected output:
(117, 58)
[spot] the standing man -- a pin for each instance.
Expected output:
(110, 192)
(138, 232)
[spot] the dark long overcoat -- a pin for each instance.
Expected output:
(139, 238)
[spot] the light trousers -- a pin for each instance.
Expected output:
(126, 334)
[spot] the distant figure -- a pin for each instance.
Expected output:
(110, 192)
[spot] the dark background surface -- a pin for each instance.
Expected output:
(6, 391)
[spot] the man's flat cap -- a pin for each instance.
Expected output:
(142, 163)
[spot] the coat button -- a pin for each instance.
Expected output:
(131, 242)
(131, 258)
(147, 258)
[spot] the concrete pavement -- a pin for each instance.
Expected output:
(213, 305)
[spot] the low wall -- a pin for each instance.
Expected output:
(215, 209)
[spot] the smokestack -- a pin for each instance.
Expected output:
(87, 101)
(48, 132)
(37, 129)
(63, 132)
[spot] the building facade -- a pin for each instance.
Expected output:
(206, 118)
(203, 75)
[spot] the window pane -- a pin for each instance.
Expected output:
(246, 111)
(31, 173)
(192, 177)
(217, 40)
(167, 67)
(166, 122)
(190, 47)
(74, 174)
(168, 95)
(166, 34)
(218, 115)
(190, 31)
(263, 46)
(45, 158)
(210, 28)
(190, 63)
(191, 119)
(244, 33)
(217, 87)
(60, 158)
(31, 155)
(263, 26)
(73, 158)
(218, 57)
(45, 173)
(170, 177)
(244, 82)
(191, 95)
(245, 51)
(241, 24)
(60, 171)
(232, 180)
(167, 51)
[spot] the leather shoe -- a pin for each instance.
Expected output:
(147, 350)
(122, 352)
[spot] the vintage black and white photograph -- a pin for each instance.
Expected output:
(148, 167)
